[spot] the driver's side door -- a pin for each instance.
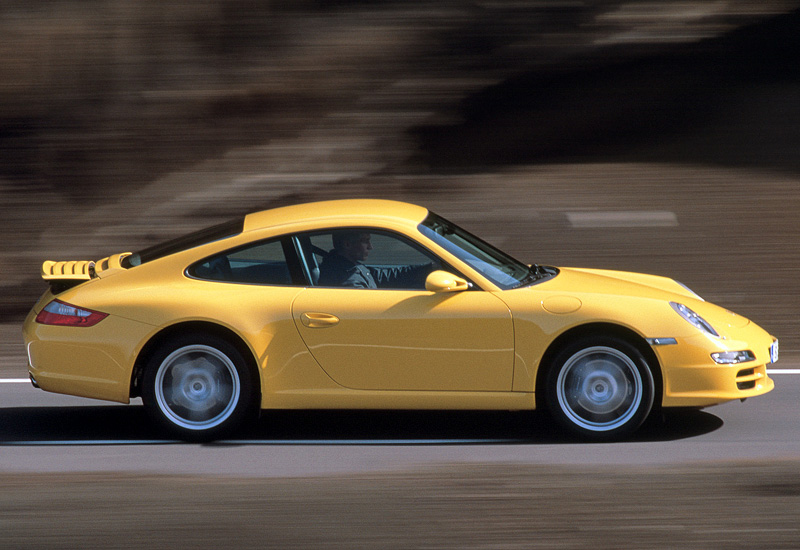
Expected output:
(405, 338)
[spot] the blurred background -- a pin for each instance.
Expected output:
(656, 136)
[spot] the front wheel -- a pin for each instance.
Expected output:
(198, 388)
(600, 389)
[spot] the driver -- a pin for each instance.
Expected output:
(344, 267)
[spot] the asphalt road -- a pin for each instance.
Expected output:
(42, 432)
(671, 198)
(77, 473)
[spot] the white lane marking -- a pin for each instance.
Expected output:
(304, 442)
(624, 218)
(376, 442)
(27, 381)
(78, 443)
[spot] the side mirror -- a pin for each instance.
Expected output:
(442, 281)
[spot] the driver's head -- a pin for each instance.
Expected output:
(353, 245)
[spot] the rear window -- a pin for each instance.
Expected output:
(192, 240)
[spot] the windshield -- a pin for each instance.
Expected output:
(198, 238)
(497, 266)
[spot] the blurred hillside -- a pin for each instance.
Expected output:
(729, 100)
(100, 95)
(124, 123)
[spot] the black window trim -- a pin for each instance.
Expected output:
(186, 242)
(298, 250)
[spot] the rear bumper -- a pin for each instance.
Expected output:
(95, 362)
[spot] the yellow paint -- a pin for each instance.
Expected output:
(443, 347)
(442, 281)
(561, 305)
(410, 340)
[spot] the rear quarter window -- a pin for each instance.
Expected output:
(262, 263)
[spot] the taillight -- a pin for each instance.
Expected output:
(64, 314)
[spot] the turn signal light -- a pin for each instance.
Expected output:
(64, 314)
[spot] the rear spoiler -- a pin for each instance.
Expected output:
(64, 275)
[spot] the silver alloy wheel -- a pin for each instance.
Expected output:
(599, 388)
(197, 387)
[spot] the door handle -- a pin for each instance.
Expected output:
(318, 320)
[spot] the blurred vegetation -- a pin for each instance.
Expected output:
(98, 94)
(123, 123)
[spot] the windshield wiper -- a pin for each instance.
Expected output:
(535, 273)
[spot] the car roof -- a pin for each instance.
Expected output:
(357, 210)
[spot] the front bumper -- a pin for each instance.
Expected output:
(693, 379)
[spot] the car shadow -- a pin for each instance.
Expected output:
(98, 425)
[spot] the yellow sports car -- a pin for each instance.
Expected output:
(372, 304)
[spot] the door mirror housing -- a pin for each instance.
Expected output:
(442, 281)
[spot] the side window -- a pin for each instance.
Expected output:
(365, 258)
(259, 263)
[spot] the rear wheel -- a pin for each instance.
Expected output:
(601, 389)
(198, 387)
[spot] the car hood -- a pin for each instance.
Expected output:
(580, 282)
(620, 283)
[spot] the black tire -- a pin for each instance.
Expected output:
(600, 389)
(198, 387)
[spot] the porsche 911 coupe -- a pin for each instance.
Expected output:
(373, 304)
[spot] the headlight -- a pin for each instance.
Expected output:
(700, 323)
(733, 357)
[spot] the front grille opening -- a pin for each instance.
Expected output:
(747, 384)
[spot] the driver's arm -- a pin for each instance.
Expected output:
(404, 276)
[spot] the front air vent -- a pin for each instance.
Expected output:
(746, 379)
